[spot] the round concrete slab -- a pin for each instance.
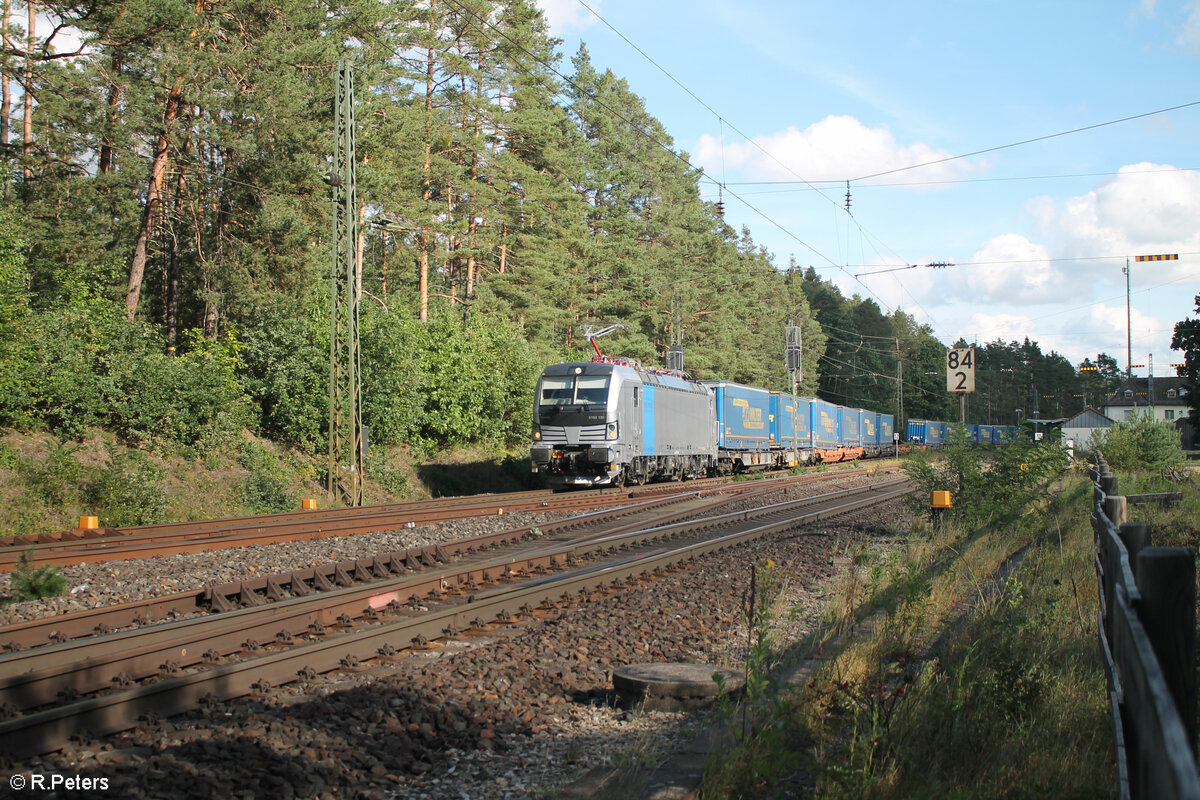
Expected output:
(672, 686)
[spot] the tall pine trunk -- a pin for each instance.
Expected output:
(158, 171)
(424, 235)
(171, 284)
(5, 88)
(27, 140)
(110, 123)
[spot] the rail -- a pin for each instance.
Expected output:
(1148, 641)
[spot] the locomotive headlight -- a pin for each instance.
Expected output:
(537, 434)
(612, 430)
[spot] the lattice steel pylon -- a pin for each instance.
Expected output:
(793, 353)
(345, 382)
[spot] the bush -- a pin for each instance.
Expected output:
(983, 491)
(128, 491)
(81, 367)
(447, 381)
(266, 490)
(285, 369)
(1140, 443)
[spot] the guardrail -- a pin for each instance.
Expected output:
(1148, 641)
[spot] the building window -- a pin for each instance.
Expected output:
(1169, 414)
(1171, 393)
(1129, 392)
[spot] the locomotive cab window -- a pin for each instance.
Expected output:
(569, 390)
(556, 391)
(591, 389)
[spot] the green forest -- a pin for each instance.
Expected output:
(165, 237)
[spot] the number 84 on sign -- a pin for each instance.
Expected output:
(960, 370)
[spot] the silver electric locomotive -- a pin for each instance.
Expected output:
(610, 422)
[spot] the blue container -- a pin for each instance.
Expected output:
(887, 427)
(869, 427)
(790, 421)
(973, 434)
(917, 429)
(743, 416)
(934, 433)
(850, 433)
(825, 423)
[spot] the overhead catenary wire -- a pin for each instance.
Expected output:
(1027, 141)
(948, 182)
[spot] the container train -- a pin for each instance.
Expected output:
(928, 433)
(611, 422)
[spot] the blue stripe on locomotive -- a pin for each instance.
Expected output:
(743, 416)
(648, 437)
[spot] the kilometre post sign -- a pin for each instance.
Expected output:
(960, 370)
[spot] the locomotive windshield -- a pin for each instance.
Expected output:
(573, 390)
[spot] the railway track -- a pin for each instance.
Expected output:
(113, 544)
(226, 655)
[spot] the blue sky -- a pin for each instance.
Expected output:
(792, 99)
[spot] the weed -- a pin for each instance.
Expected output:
(29, 583)
(266, 487)
(8, 457)
(55, 482)
(390, 479)
(128, 491)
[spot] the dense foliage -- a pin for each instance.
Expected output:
(1187, 339)
(165, 256)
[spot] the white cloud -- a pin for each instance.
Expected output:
(836, 148)
(1005, 327)
(1146, 209)
(1189, 32)
(568, 16)
(1010, 269)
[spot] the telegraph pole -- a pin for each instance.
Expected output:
(345, 381)
(1128, 327)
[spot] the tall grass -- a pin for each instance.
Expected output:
(980, 677)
